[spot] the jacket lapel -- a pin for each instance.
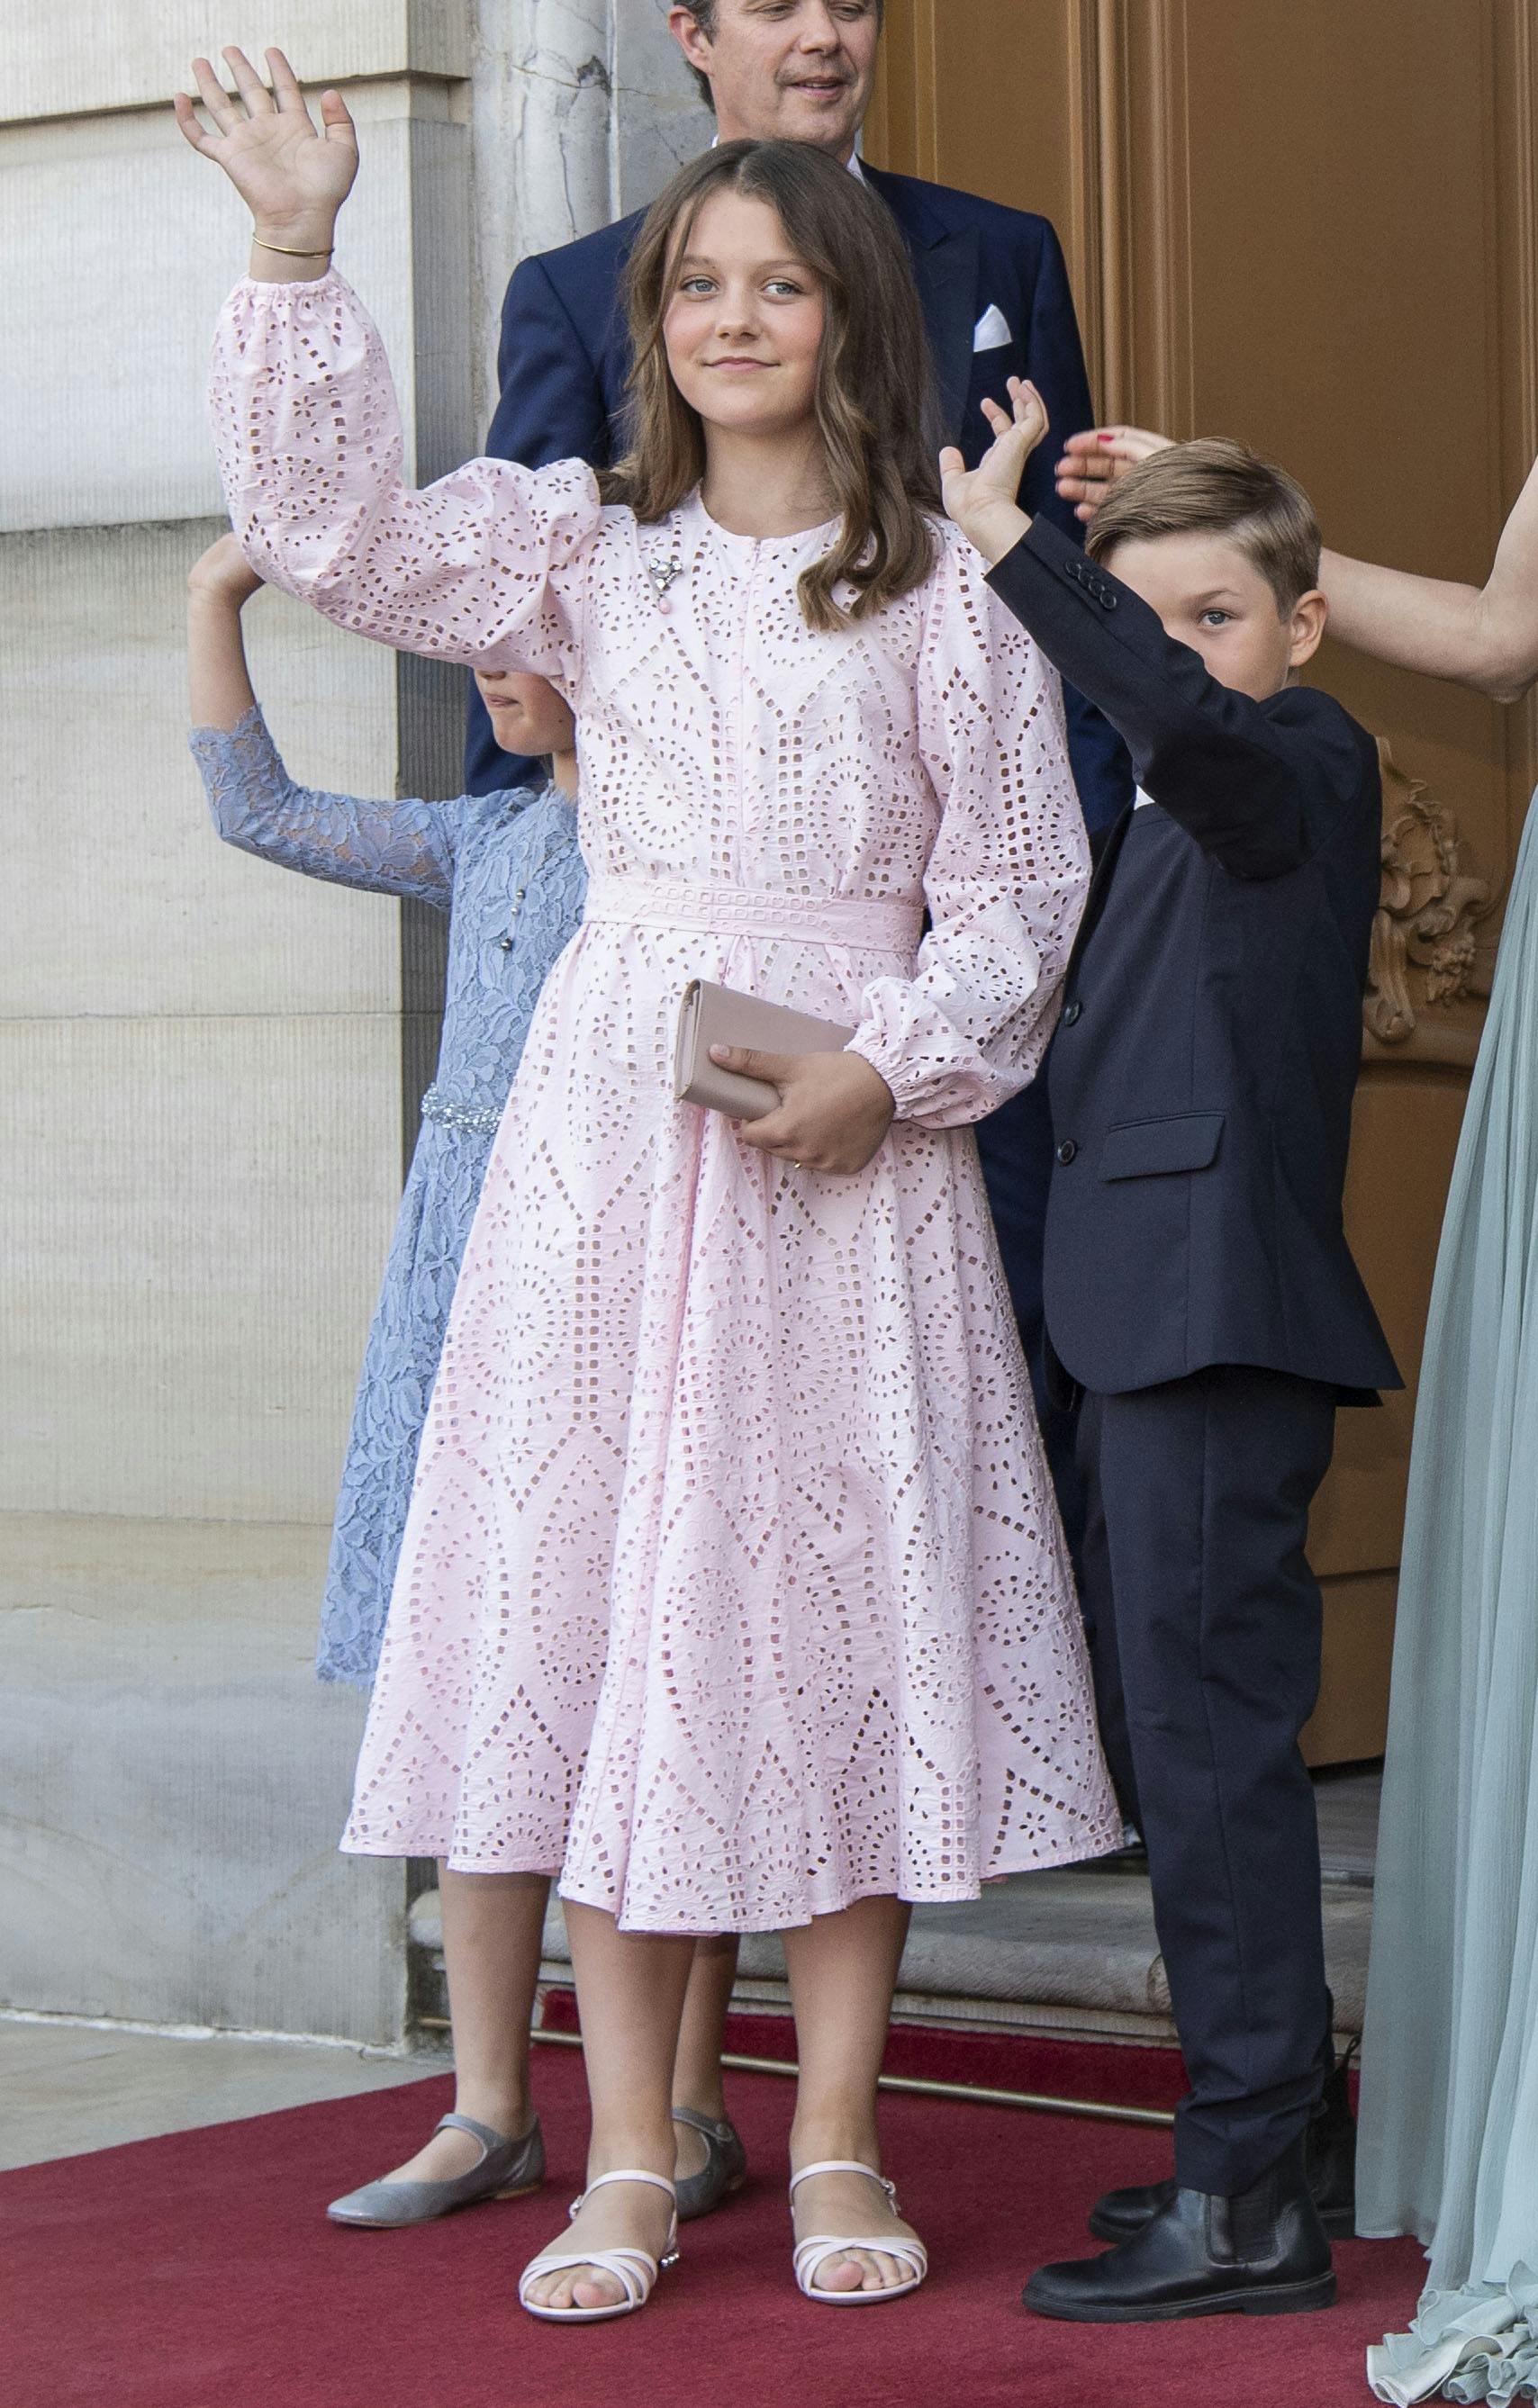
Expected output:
(947, 269)
(1100, 885)
(947, 279)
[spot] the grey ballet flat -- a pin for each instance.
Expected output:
(724, 2170)
(508, 2169)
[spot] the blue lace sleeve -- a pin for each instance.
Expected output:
(388, 848)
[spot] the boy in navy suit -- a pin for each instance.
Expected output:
(1202, 1298)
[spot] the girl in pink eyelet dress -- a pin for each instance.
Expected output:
(733, 1585)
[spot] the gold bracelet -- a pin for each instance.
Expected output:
(284, 251)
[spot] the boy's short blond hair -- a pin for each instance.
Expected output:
(1216, 487)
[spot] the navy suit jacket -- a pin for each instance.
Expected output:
(1202, 1073)
(565, 359)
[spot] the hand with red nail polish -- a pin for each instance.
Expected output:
(1093, 461)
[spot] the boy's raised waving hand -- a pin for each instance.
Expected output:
(984, 501)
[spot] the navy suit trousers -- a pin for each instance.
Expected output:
(1204, 1621)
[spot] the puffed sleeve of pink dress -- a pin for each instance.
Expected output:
(486, 566)
(1008, 873)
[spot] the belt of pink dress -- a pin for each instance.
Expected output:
(852, 922)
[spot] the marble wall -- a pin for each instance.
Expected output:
(580, 110)
(201, 1059)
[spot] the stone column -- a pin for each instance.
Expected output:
(201, 1058)
(580, 111)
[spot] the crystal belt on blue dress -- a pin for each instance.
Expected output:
(475, 1119)
(720, 910)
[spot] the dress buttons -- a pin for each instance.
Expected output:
(506, 944)
(1073, 1012)
(1067, 1151)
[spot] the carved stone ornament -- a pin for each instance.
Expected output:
(1431, 905)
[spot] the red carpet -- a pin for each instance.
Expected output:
(197, 2271)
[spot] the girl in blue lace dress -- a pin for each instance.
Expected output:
(507, 868)
(508, 863)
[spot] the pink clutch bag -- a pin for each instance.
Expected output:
(719, 1015)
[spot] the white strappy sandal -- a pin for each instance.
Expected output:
(634, 2270)
(810, 2253)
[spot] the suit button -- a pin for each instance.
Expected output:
(1067, 1151)
(1074, 1013)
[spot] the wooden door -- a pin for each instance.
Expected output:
(1309, 223)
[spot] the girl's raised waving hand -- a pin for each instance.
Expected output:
(293, 175)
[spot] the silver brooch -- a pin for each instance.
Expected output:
(663, 574)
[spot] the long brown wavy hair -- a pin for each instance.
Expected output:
(875, 395)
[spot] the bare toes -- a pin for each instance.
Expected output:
(839, 2274)
(597, 2290)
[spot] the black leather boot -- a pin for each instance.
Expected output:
(1261, 2253)
(1332, 2146)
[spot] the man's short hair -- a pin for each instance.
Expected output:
(1216, 488)
(703, 13)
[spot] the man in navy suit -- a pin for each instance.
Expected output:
(1202, 1296)
(997, 303)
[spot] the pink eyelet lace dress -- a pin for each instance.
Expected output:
(733, 1587)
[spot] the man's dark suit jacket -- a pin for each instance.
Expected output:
(565, 357)
(1202, 1073)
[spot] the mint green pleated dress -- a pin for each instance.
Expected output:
(1449, 2121)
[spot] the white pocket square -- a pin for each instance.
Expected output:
(993, 330)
